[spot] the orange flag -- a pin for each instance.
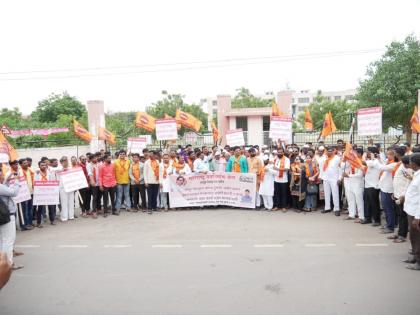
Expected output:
(351, 156)
(308, 120)
(329, 126)
(275, 110)
(215, 132)
(81, 132)
(106, 135)
(188, 120)
(6, 148)
(145, 121)
(166, 116)
(415, 122)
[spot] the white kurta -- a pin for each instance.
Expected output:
(165, 181)
(267, 184)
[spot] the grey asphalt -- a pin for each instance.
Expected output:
(211, 262)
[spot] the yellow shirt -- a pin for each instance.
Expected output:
(121, 171)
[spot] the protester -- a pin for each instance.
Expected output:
(237, 163)
(26, 206)
(138, 191)
(107, 184)
(66, 198)
(329, 166)
(85, 193)
(281, 186)
(43, 174)
(152, 170)
(92, 169)
(122, 166)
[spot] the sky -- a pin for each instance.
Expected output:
(126, 52)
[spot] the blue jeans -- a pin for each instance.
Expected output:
(123, 189)
(26, 213)
(310, 201)
(389, 209)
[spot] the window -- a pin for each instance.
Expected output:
(293, 100)
(303, 100)
(266, 123)
(242, 122)
(328, 98)
(214, 102)
(349, 97)
(301, 108)
(337, 97)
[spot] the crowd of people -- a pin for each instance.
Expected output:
(304, 179)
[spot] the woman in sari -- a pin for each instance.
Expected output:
(297, 184)
(311, 172)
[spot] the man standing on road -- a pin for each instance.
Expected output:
(281, 186)
(107, 184)
(92, 169)
(84, 192)
(66, 198)
(254, 166)
(330, 177)
(42, 175)
(122, 166)
(27, 212)
(151, 180)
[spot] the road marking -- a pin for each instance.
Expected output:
(372, 245)
(167, 246)
(118, 246)
(215, 246)
(321, 245)
(268, 245)
(72, 246)
(27, 246)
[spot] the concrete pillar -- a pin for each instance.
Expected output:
(255, 127)
(223, 106)
(232, 122)
(96, 119)
(284, 101)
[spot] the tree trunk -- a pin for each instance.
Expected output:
(409, 135)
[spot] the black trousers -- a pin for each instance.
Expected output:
(280, 195)
(109, 192)
(96, 198)
(414, 239)
(138, 192)
(371, 201)
(152, 195)
(402, 221)
(41, 210)
(85, 202)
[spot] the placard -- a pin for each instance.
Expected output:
(136, 145)
(24, 193)
(46, 193)
(218, 188)
(281, 128)
(4, 153)
(235, 138)
(369, 121)
(73, 179)
(166, 129)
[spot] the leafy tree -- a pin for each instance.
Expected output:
(244, 99)
(340, 109)
(49, 109)
(10, 117)
(392, 82)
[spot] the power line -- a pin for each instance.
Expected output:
(194, 65)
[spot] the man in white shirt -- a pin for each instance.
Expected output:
(412, 208)
(372, 207)
(330, 172)
(282, 166)
(200, 165)
(152, 171)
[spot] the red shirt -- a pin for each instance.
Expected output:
(107, 175)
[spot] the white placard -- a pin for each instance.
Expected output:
(166, 129)
(136, 145)
(369, 121)
(24, 193)
(281, 128)
(73, 179)
(46, 193)
(235, 138)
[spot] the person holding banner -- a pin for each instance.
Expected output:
(200, 164)
(266, 189)
(165, 169)
(254, 166)
(371, 193)
(85, 193)
(330, 165)
(66, 198)
(122, 166)
(43, 175)
(181, 168)
(136, 173)
(92, 169)
(151, 180)
(26, 206)
(108, 183)
(237, 163)
(281, 187)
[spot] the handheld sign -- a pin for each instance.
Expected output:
(369, 121)
(136, 145)
(73, 179)
(281, 128)
(166, 129)
(24, 193)
(235, 138)
(46, 193)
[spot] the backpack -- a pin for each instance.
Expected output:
(4, 213)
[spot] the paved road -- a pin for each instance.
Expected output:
(211, 262)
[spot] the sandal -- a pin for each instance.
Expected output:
(399, 240)
(392, 237)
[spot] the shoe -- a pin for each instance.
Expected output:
(387, 231)
(409, 261)
(337, 213)
(325, 211)
(150, 212)
(105, 214)
(399, 239)
(413, 266)
(16, 267)
(392, 237)
(52, 223)
(94, 216)
(348, 218)
(410, 252)
(116, 213)
(376, 224)
(365, 221)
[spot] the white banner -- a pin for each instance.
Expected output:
(369, 121)
(24, 193)
(136, 145)
(166, 129)
(73, 179)
(281, 128)
(212, 189)
(4, 153)
(235, 138)
(46, 193)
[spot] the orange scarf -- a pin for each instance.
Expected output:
(261, 173)
(123, 169)
(327, 161)
(308, 171)
(178, 167)
(25, 173)
(191, 164)
(165, 167)
(236, 165)
(155, 167)
(136, 170)
(296, 169)
(281, 171)
(395, 169)
(43, 176)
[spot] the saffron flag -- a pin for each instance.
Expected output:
(7, 149)
(187, 120)
(106, 135)
(145, 121)
(275, 110)
(329, 126)
(308, 120)
(350, 155)
(415, 121)
(215, 132)
(166, 116)
(81, 132)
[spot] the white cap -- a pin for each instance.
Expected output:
(321, 147)
(267, 151)
(265, 158)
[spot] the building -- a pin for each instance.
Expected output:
(255, 122)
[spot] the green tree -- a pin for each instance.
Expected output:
(392, 82)
(50, 108)
(244, 99)
(340, 109)
(10, 117)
